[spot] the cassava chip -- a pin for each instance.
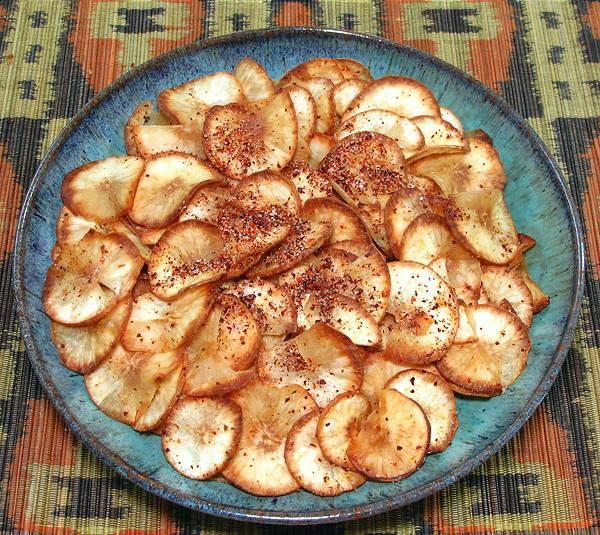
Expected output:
(306, 117)
(440, 137)
(71, 228)
(310, 183)
(304, 238)
(271, 306)
(436, 399)
(465, 332)
(189, 102)
(219, 357)
(321, 360)
(345, 92)
(167, 182)
(254, 80)
(364, 168)
(478, 168)
(321, 90)
(345, 315)
(188, 254)
(540, 299)
(427, 237)
(483, 224)
(423, 314)
(260, 215)
(143, 114)
(326, 68)
(154, 139)
(345, 223)
(318, 147)
(501, 283)
(157, 326)
(363, 165)
(462, 272)
(268, 414)
(338, 423)
(353, 269)
(403, 96)
(402, 208)
(352, 69)
(102, 191)
(90, 277)
(206, 203)
(402, 130)
(379, 369)
(448, 115)
(150, 236)
(137, 389)
(309, 466)
(489, 365)
(200, 435)
(240, 140)
(392, 440)
(123, 226)
(82, 349)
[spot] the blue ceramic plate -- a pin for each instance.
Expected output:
(536, 194)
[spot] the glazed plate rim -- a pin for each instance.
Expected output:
(113, 459)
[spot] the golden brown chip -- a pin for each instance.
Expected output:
(310, 183)
(200, 435)
(188, 254)
(393, 440)
(154, 139)
(270, 304)
(254, 80)
(402, 130)
(345, 92)
(137, 389)
(167, 182)
(379, 369)
(326, 68)
(189, 102)
(479, 168)
(304, 238)
(436, 399)
(492, 363)
(345, 223)
(143, 114)
(240, 140)
(338, 424)
(500, 283)
(403, 96)
(423, 314)
(82, 349)
(321, 360)
(90, 277)
(157, 326)
(220, 355)
(483, 224)
(102, 191)
(268, 414)
(310, 467)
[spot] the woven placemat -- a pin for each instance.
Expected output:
(542, 55)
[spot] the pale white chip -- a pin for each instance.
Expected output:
(200, 435)
(308, 465)
(436, 399)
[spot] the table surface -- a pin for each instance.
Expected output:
(542, 55)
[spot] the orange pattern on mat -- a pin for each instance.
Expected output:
(99, 37)
(479, 49)
(10, 204)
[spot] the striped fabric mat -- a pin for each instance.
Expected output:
(542, 55)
